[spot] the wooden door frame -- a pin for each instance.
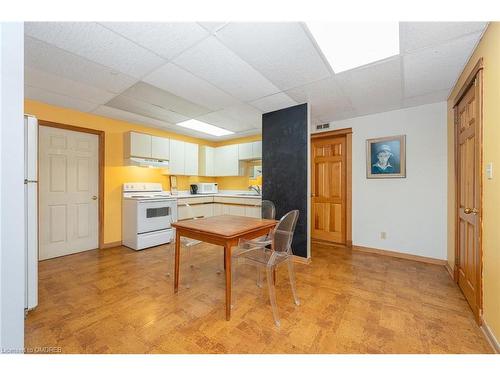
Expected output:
(100, 154)
(475, 76)
(348, 209)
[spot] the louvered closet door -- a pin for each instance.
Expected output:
(68, 192)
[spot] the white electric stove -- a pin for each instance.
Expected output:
(147, 215)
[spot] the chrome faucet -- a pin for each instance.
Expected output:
(255, 188)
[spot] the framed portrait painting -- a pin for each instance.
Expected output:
(386, 157)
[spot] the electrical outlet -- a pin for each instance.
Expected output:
(489, 171)
(383, 235)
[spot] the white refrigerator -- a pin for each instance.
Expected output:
(31, 214)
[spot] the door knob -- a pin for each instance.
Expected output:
(94, 198)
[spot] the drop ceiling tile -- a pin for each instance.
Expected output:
(120, 114)
(180, 82)
(273, 102)
(167, 39)
(238, 118)
(60, 85)
(325, 98)
(46, 57)
(160, 98)
(417, 35)
(437, 68)
(135, 118)
(217, 64)
(213, 27)
(433, 97)
(245, 113)
(96, 43)
(48, 97)
(374, 88)
(281, 51)
(129, 104)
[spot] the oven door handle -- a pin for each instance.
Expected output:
(156, 201)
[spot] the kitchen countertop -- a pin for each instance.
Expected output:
(228, 195)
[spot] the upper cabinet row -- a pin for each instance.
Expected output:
(191, 159)
(226, 160)
(140, 145)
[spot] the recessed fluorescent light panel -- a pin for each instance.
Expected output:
(348, 45)
(204, 127)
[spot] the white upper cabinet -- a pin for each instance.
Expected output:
(176, 164)
(250, 150)
(140, 145)
(160, 148)
(191, 159)
(137, 145)
(183, 158)
(206, 161)
(226, 161)
(245, 151)
(257, 150)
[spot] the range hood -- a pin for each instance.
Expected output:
(151, 163)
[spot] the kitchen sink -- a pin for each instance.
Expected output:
(249, 195)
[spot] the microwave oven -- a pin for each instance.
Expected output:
(204, 188)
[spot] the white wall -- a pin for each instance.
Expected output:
(11, 186)
(412, 210)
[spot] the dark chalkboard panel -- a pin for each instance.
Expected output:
(284, 166)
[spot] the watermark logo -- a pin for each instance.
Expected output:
(33, 350)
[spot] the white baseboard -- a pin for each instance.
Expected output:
(490, 336)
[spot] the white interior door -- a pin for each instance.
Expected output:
(68, 191)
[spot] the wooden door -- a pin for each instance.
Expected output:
(68, 192)
(468, 260)
(329, 188)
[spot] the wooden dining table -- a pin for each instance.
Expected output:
(223, 230)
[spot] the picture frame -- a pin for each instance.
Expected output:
(386, 157)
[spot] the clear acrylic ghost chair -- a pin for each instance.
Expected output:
(280, 252)
(268, 211)
(187, 243)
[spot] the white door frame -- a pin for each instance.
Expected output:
(12, 231)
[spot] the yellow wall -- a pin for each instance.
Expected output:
(115, 173)
(489, 50)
